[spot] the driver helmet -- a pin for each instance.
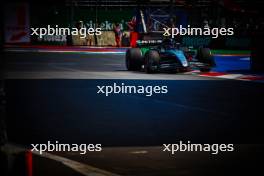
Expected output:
(168, 43)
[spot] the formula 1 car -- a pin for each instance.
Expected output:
(164, 55)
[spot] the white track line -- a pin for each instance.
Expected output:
(81, 168)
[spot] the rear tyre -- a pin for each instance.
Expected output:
(134, 59)
(152, 59)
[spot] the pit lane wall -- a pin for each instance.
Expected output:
(21, 16)
(66, 16)
(108, 39)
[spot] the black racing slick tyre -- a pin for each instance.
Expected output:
(134, 59)
(204, 55)
(151, 63)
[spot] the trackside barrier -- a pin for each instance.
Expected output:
(29, 163)
(16, 162)
(107, 38)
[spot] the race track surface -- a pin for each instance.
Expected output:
(54, 96)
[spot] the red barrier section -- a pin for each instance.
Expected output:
(29, 163)
(212, 74)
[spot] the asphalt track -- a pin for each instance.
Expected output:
(52, 96)
(35, 65)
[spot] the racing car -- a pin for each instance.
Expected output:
(166, 55)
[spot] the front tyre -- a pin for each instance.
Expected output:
(152, 59)
(204, 55)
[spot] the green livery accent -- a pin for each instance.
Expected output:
(144, 50)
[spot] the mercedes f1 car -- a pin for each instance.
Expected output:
(158, 56)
